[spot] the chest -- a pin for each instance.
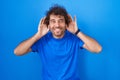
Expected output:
(58, 50)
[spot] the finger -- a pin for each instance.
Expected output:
(74, 19)
(69, 17)
(43, 20)
(40, 21)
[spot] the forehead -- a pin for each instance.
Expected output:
(52, 16)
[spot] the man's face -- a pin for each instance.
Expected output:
(57, 25)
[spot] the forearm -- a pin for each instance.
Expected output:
(90, 44)
(25, 46)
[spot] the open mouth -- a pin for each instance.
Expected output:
(58, 29)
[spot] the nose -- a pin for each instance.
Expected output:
(57, 24)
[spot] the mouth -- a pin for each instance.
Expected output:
(58, 32)
(57, 29)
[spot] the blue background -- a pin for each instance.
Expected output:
(99, 19)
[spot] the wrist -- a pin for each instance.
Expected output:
(78, 30)
(37, 36)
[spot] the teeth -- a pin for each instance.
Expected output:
(57, 29)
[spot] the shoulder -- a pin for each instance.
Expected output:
(70, 35)
(45, 38)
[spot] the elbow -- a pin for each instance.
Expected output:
(94, 49)
(98, 50)
(17, 52)
(20, 52)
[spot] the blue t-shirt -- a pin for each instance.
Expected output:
(59, 56)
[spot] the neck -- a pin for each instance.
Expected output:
(59, 36)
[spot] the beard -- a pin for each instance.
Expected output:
(58, 32)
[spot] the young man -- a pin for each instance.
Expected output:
(58, 41)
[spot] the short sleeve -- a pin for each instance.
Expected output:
(34, 47)
(80, 43)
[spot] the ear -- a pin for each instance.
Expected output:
(48, 26)
(66, 26)
(69, 17)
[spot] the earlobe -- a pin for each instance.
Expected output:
(48, 26)
(66, 26)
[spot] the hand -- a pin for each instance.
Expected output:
(42, 28)
(72, 27)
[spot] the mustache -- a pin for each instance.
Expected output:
(57, 28)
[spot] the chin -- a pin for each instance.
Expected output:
(58, 34)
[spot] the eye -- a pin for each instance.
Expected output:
(52, 21)
(61, 21)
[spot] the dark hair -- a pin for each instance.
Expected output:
(57, 10)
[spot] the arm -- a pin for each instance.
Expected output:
(89, 43)
(25, 46)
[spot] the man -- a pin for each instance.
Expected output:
(58, 41)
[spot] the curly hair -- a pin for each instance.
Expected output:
(56, 10)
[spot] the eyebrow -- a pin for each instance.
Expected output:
(58, 19)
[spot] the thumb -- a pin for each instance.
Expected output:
(75, 19)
